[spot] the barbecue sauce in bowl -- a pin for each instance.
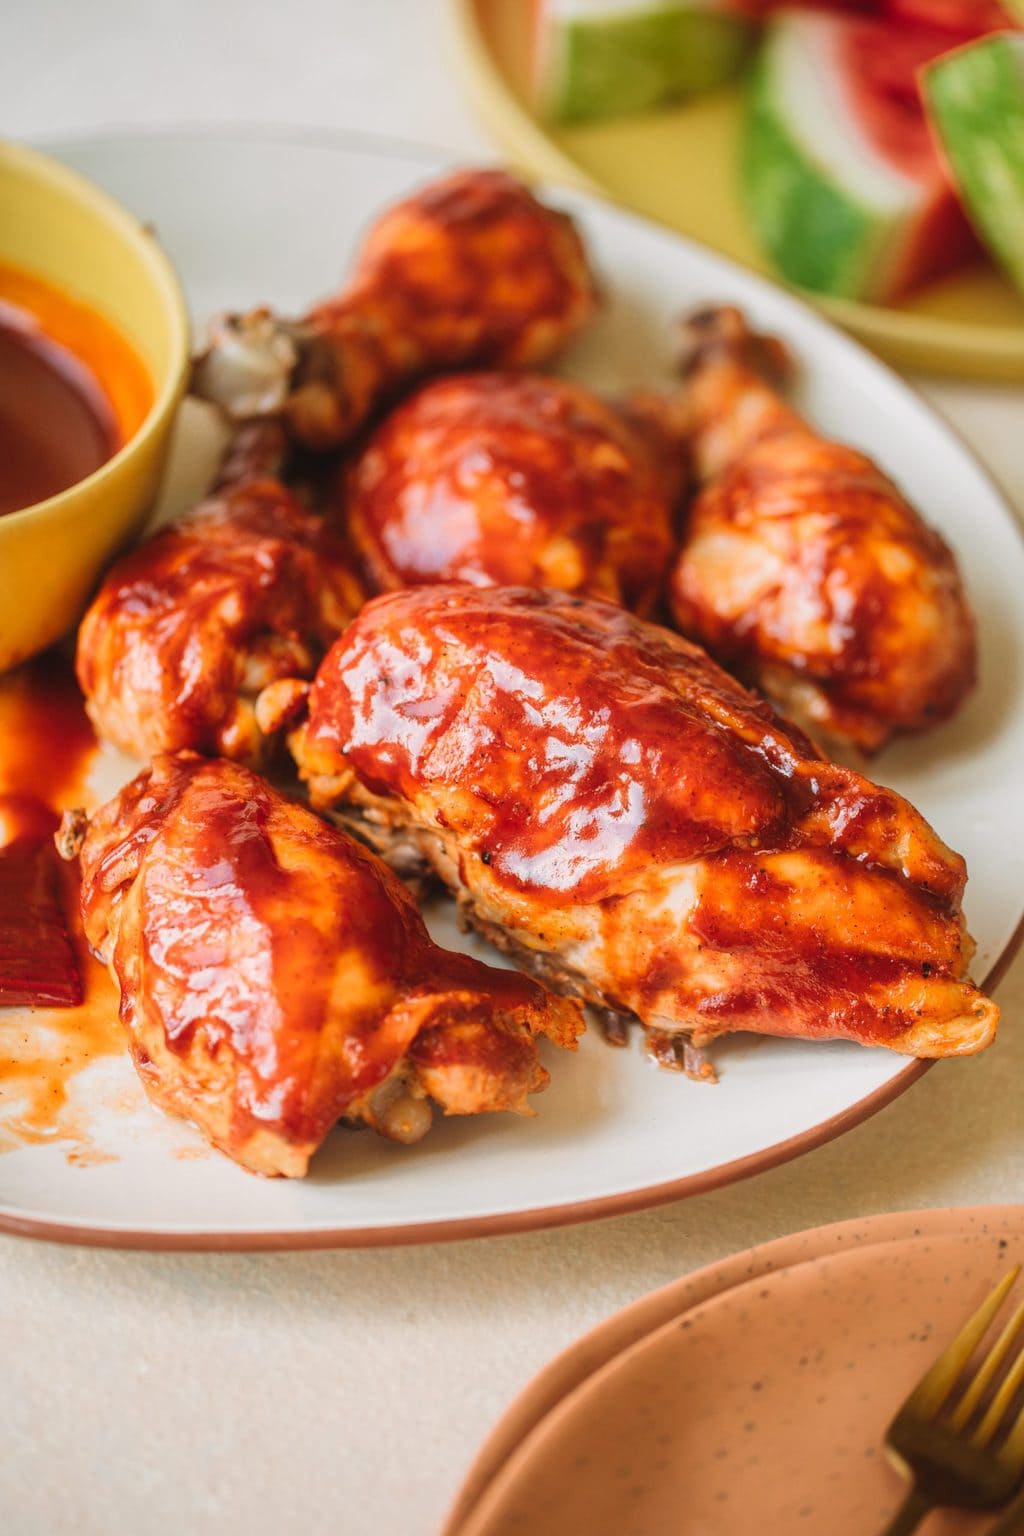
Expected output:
(72, 391)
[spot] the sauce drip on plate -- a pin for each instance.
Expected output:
(46, 748)
(37, 962)
(72, 391)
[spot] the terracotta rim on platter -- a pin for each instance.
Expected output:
(951, 347)
(533, 1219)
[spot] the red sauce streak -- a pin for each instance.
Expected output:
(37, 962)
(42, 1052)
(46, 747)
(46, 744)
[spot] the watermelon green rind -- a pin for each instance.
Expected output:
(788, 196)
(601, 61)
(975, 101)
(827, 216)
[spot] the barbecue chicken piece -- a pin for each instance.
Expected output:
(500, 479)
(471, 270)
(803, 568)
(190, 626)
(621, 816)
(275, 977)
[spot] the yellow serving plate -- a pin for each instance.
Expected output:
(678, 166)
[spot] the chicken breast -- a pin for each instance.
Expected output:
(616, 811)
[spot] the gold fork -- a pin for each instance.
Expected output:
(971, 1456)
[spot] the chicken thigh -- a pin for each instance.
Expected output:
(803, 567)
(625, 819)
(510, 479)
(276, 978)
(471, 270)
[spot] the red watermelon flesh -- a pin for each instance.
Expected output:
(966, 18)
(879, 65)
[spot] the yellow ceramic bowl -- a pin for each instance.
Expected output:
(62, 229)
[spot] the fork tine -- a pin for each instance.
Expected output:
(1012, 1449)
(999, 1407)
(1013, 1446)
(986, 1371)
(934, 1388)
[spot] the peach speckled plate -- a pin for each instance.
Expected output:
(772, 1395)
(568, 1370)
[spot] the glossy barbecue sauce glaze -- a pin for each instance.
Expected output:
(473, 263)
(509, 479)
(211, 852)
(571, 749)
(72, 391)
(249, 575)
(610, 723)
(46, 746)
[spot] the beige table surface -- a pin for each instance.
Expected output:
(342, 1393)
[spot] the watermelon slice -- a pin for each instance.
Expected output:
(842, 182)
(975, 99)
(600, 58)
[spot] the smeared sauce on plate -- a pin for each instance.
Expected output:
(72, 390)
(46, 748)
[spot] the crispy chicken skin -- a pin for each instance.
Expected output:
(500, 479)
(275, 977)
(803, 567)
(624, 817)
(187, 628)
(471, 270)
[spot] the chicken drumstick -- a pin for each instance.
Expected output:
(471, 270)
(803, 566)
(511, 479)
